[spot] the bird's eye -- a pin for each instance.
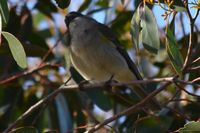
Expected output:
(86, 31)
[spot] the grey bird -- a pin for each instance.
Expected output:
(97, 55)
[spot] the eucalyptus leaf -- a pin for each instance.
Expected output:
(64, 115)
(101, 99)
(152, 124)
(16, 49)
(4, 11)
(0, 28)
(85, 5)
(173, 52)
(25, 130)
(150, 34)
(191, 127)
(63, 3)
(135, 29)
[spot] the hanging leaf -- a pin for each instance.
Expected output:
(16, 49)
(135, 29)
(191, 127)
(173, 52)
(101, 99)
(150, 34)
(154, 124)
(25, 130)
(46, 7)
(85, 5)
(0, 28)
(97, 10)
(63, 3)
(4, 11)
(64, 115)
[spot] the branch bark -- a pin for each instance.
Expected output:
(28, 72)
(130, 110)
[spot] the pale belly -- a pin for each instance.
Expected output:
(101, 64)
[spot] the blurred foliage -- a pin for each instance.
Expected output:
(31, 28)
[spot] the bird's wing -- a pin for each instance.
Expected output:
(108, 33)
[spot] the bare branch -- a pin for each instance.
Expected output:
(50, 51)
(183, 89)
(88, 86)
(188, 58)
(28, 72)
(33, 108)
(130, 110)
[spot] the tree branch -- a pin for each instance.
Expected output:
(33, 108)
(188, 58)
(88, 86)
(130, 110)
(28, 72)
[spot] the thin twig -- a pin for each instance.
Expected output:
(197, 68)
(28, 72)
(100, 85)
(196, 60)
(50, 51)
(33, 108)
(189, 93)
(184, 116)
(188, 58)
(130, 110)
(187, 100)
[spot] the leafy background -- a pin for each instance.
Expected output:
(35, 62)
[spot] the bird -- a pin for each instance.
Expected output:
(97, 54)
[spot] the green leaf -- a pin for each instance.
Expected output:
(46, 7)
(85, 5)
(25, 130)
(102, 3)
(64, 115)
(150, 34)
(122, 19)
(177, 5)
(101, 99)
(179, 9)
(81, 120)
(191, 127)
(0, 28)
(16, 49)
(4, 11)
(97, 10)
(135, 29)
(173, 52)
(63, 3)
(154, 124)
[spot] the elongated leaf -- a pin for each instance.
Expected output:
(46, 7)
(150, 34)
(16, 49)
(177, 5)
(173, 52)
(64, 116)
(0, 28)
(85, 5)
(4, 11)
(154, 124)
(63, 3)
(100, 98)
(25, 130)
(135, 29)
(191, 127)
(97, 10)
